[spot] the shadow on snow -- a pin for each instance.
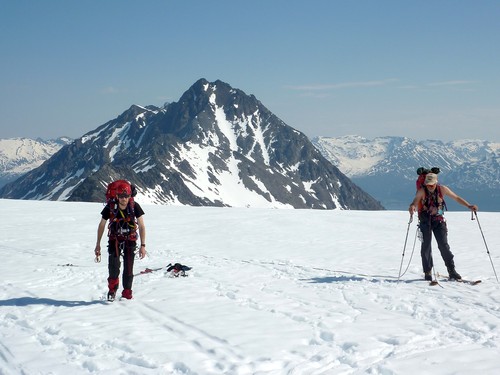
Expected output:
(373, 279)
(26, 301)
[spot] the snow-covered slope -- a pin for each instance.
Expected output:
(21, 155)
(271, 292)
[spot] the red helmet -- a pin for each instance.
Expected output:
(117, 188)
(123, 188)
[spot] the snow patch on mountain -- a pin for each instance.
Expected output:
(353, 155)
(21, 155)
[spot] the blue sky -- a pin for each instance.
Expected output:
(421, 69)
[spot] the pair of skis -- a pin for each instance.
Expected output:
(444, 278)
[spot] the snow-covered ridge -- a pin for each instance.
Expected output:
(386, 167)
(353, 155)
(20, 155)
(357, 156)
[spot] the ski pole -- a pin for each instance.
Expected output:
(485, 244)
(404, 247)
(401, 274)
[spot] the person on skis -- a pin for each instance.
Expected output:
(429, 201)
(125, 217)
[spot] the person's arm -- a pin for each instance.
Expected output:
(142, 235)
(100, 232)
(419, 195)
(447, 191)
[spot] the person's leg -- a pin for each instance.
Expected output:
(128, 269)
(113, 269)
(441, 234)
(426, 248)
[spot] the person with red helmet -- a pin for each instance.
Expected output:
(126, 221)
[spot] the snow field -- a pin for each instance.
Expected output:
(270, 292)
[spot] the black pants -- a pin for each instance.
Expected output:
(127, 249)
(440, 230)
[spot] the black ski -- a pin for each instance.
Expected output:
(470, 282)
(464, 281)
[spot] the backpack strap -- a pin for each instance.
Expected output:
(118, 219)
(440, 195)
(434, 200)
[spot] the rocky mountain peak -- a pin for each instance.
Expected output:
(215, 146)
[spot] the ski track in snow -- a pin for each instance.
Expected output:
(235, 314)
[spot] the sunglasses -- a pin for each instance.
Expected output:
(123, 196)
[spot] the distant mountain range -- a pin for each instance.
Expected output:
(216, 146)
(219, 146)
(385, 167)
(21, 155)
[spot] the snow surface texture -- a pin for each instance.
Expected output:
(270, 292)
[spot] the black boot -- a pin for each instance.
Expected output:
(453, 275)
(428, 276)
(111, 295)
(113, 287)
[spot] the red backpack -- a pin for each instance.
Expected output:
(120, 227)
(422, 172)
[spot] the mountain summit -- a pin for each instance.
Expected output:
(216, 146)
